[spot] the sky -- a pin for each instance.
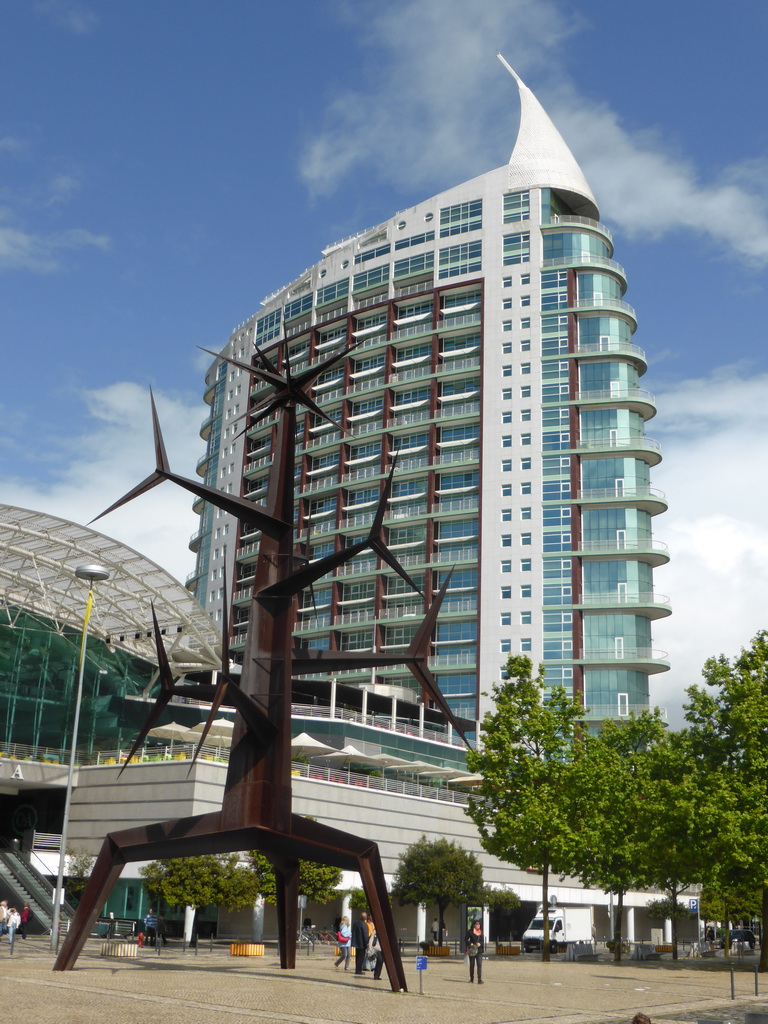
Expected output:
(165, 166)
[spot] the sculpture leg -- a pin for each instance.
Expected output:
(372, 875)
(287, 884)
(106, 871)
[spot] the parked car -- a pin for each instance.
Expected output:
(745, 935)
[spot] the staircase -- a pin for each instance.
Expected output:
(21, 882)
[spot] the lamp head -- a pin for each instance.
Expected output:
(91, 572)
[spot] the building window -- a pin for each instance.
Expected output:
(525, 345)
(525, 513)
(506, 540)
(506, 441)
(525, 391)
(506, 325)
(506, 348)
(506, 282)
(525, 539)
(455, 220)
(525, 415)
(506, 394)
(525, 323)
(525, 590)
(460, 259)
(506, 490)
(506, 619)
(517, 248)
(525, 463)
(506, 566)
(506, 303)
(525, 300)
(525, 644)
(517, 207)
(525, 439)
(525, 367)
(525, 618)
(525, 279)
(506, 465)
(525, 565)
(414, 265)
(506, 647)
(506, 371)
(506, 417)
(506, 593)
(525, 487)
(506, 515)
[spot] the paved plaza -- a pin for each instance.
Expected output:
(182, 987)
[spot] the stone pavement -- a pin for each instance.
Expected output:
(181, 987)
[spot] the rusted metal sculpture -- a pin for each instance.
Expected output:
(256, 810)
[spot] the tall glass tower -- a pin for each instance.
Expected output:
(495, 361)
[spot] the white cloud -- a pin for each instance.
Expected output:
(95, 467)
(69, 14)
(61, 189)
(650, 192)
(24, 250)
(438, 109)
(438, 106)
(713, 432)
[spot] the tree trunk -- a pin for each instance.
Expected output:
(763, 965)
(674, 894)
(617, 920)
(545, 911)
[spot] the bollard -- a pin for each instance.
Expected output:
(733, 985)
(756, 977)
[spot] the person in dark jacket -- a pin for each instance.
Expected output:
(475, 944)
(360, 941)
(374, 951)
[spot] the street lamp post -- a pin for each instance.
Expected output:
(91, 573)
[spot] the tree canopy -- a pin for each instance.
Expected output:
(201, 882)
(438, 873)
(522, 809)
(318, 882)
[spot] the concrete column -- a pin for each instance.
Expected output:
(668, 930)
(421, 717)
(345, 909)
(421, 923)
(332, 710)
(365, 703)
(189, 918)
(393, 719)
(257, 921)
(630, 912)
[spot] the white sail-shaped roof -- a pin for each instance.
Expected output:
(541, 159)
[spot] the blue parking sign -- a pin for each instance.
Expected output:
(693, 906)
(421, 963)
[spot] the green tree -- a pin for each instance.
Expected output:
(318, 882)
(727, 726)
(528, 748)
(438, 873)
(681, 812)
(199, 882)
(79, 867)
(609, 779)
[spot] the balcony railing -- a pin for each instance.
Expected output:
(616, 395)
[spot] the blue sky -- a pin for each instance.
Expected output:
(164, 166)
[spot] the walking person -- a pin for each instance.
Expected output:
(360, 941)
(475, 944)
(25, 916)
(162, 930)
(150, 924)
(344, 940)
(14, 920)
(374, 951)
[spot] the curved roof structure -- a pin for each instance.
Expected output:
(540, 158)
(38, 557)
